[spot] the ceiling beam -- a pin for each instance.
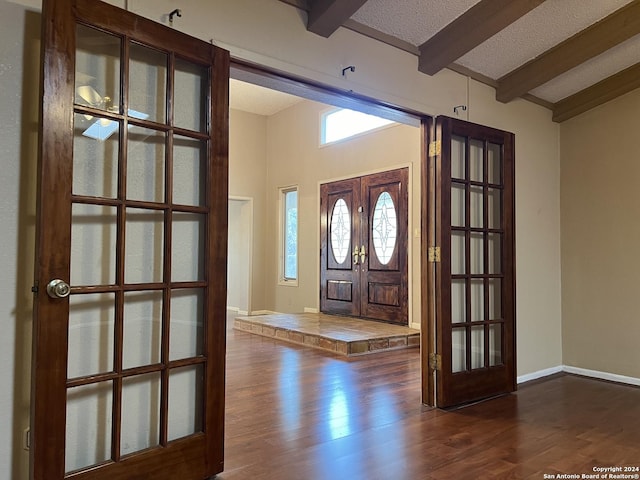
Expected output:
(598, 38)
(602, 92)
(326, 16)
(479, 23)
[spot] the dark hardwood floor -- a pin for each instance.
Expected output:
(302, 414)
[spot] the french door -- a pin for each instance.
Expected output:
(129, 325)
(363, 228)
(475, 266)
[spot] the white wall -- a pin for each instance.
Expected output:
(273, 34)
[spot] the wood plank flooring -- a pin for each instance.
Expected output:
(294, 413)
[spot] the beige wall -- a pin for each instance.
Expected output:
(600, 238)
(294, 157)
(273, 34)
(247, 174)
(538, 321)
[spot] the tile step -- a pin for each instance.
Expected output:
(342, 335)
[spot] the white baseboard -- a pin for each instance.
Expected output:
(233, 309)
(242, 312)
(539, 374)
(613, 377)
(310, 310)
(263, 312)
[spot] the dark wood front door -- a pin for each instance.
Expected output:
(475, 278)
(129, 323)
(363, 223)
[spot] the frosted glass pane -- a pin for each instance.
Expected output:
(458, 150)
(186, 386)
(93, 244)
(495, 299)
(495, 253)
(147, 83)
(494, 207)
(191, 87)
(385, 228)
(97, 69)
(476, 247)
(477, 300)
(476, 207)
(495, 345)
(142, 328)
(340, 231)
(144, 246)
(457, 205)
(145, 165)
(457, 253)
(458, 301)
(476, 160)
(494, 165)
(477, 347)
(95, 163)
(189, 171)
(140, 413)
(458, 350)
(88, 432)
(91, 334)
(187, 321)
(187, 262)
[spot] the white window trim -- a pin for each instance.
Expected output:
(287, 282)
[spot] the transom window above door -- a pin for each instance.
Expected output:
(336, 125)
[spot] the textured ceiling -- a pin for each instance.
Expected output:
(549, 51)
(414, 21)
(539, 30)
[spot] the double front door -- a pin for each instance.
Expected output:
(363, 225)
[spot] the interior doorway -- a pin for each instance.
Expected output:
(239, 260)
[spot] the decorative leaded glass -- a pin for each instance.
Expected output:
(385, 227)
(340, 231)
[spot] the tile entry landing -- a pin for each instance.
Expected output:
(343, 335)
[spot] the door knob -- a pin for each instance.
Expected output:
(58, 288)
(363, 254)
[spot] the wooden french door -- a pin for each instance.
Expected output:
(363, 228)
(474, 277)
(129, 325)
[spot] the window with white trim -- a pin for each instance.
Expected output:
(344, 123)
(289, 235)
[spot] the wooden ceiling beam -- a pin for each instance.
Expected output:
(590, 42)
(602, 92)
(479, 23)
(326, 16)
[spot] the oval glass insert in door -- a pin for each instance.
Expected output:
(385, 228)
(340, 231)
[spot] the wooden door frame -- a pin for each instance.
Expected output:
(269, 77)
